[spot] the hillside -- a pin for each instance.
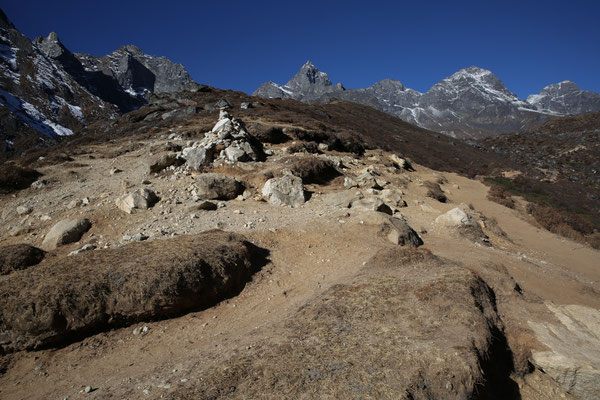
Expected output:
(217, 245)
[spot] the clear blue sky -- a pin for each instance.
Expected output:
(239, 45)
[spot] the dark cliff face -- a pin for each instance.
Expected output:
(471, 103)
(124, 78)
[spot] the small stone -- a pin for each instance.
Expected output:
(74, 204)
(87, 389)
(24, 210)
(114, 171)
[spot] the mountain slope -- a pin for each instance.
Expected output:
(39, 100)
(471, 103)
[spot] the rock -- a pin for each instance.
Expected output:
(139, 237)
(368, 181)
(114, 171)
(66, 231)
(572, 355)
(284, 191)
(86, 247)
(217, 187)
(393, 198)
(198, 157)
(180, 112)
(371, 204)
(223, 125)
(350, 183)
(19, 256)
(223, 104)
(455, 218)
(224, 114)
(24, 210)
(141, 199)
(401, 163)
(38, 184)
(400, 233)
(234, 154)
(246, 105)
(343, 199)
(323, 146)
(88, 389)
(209, 107)
(205, 205)
(162, 161)
(74, 203)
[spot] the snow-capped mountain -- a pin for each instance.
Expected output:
(39, 100)
(308, 85)
(47, 91)
(473, 102)
(565, 98)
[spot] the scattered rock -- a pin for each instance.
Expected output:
(162, 161)
(284, 191)
(74, 204)
(19, 256)
(39, 184)
(401, 163)
(141, 199)
(66, 231)
(343, 199)
(393, 198)
(114, 171)
(86, 247)
(245, 105)
(350, 183)
(217, 187)
(455, 218)
(400, 233)
(198, 157)
(371, 204)
(24, 210)
(223, 104)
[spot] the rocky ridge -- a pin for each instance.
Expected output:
(472, 103)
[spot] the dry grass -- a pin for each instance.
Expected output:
(19, 256)
(411, 326)
(69, 297)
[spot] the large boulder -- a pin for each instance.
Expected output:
(66, 231)
(343, 199)
(284, 191)
(198, 157)
(19, 256)
(455, 218)
(70, 297)
(141, 199)
(217, 187)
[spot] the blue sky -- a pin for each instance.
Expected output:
(239, 45)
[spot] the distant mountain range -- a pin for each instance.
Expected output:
(47, 91)
(472, 103)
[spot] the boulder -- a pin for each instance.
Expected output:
(198, 157)
(234, 153)
(223, 104)
(371, 204)
(343, 199)
(401, 163)
(400, 233)
(284, 191)
(66, 231)
(456, 218)
(19, 256)
(350, 183)
(162, 161)
(141, 199)
(217, 187)
(368, 181)
(180, 112)
(245, 105)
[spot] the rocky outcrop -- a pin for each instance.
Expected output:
(572, 357)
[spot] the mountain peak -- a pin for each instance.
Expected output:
(308, 64)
